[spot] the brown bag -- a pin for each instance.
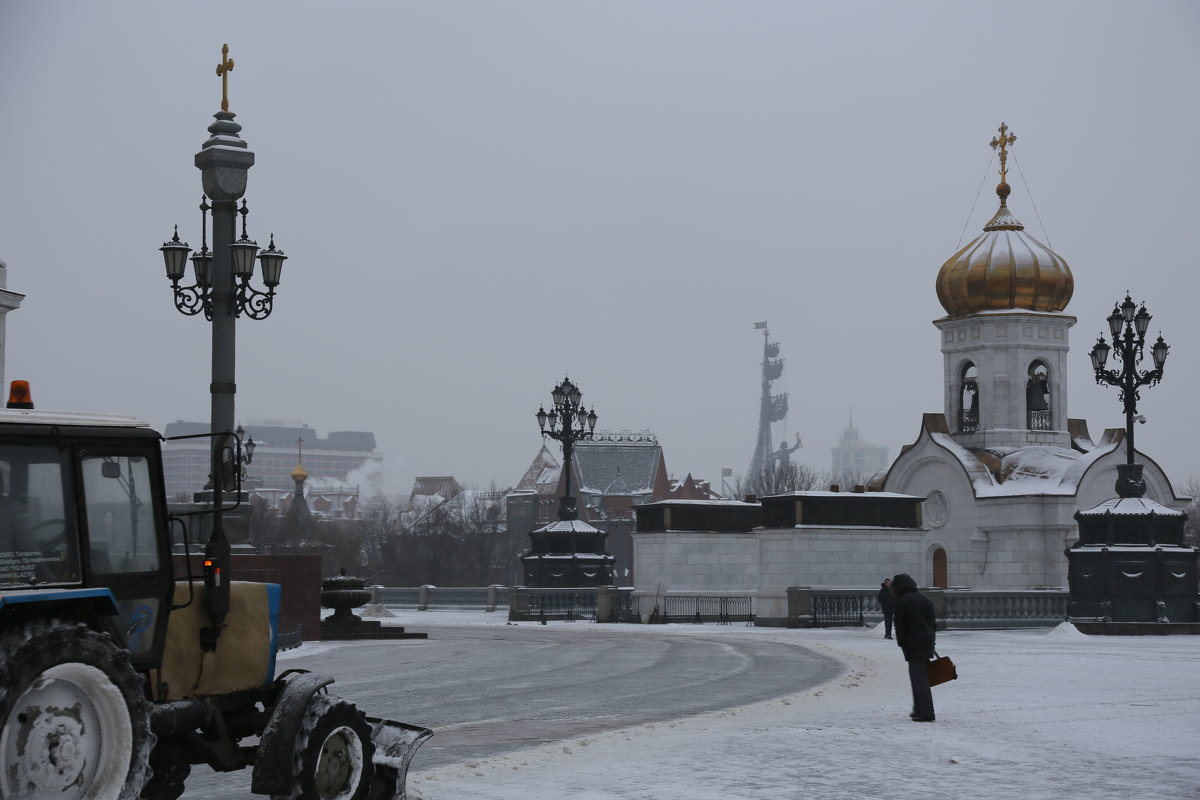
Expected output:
(941, 670)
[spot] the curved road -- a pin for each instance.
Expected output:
(489, 690)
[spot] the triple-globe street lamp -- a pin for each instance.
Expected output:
(222, 292)
(1128, 325)
(568, 424)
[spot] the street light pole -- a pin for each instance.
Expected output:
(1128, 324)
(222, 291)
(222, 288)
(575, 426)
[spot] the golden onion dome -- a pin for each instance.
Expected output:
(299, 473)
(1004, 267)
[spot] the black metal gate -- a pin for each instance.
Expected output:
(722, 610)
(831, 610)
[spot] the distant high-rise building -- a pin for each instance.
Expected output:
(854, 460)
(349, 457)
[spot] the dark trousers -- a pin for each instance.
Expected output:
(918, 676)
(887, 623)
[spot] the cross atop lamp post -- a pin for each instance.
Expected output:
(1128, 324)
(567, 424)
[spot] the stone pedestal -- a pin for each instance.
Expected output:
(568, 554)
(1130, 567)
(344, 592)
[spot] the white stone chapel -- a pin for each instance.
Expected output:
(1003, 469)
(995, 478)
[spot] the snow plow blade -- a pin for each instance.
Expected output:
(395, 744)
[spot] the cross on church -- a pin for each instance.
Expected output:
(1006, 139)
(299, 442)
(223, 70)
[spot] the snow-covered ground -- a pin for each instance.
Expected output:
(1034, 714)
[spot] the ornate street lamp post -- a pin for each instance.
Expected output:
(1128, 324)
(222, 290)
(567, 424)
(247, 453)
(1130, 570)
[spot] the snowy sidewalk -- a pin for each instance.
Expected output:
(1034, 714)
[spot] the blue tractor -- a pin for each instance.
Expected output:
(116, 674)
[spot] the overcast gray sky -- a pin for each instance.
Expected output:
(477, 198)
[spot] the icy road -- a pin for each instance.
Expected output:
(490, 690)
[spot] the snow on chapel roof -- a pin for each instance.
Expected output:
(1003, 472)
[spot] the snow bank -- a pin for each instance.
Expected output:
(1035, 714)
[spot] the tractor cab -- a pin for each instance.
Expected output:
(80, 507)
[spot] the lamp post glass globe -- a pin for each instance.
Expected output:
(175, 254)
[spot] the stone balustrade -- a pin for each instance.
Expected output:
(956, 608)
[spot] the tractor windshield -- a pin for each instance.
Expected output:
(38, 539)
(45, 514)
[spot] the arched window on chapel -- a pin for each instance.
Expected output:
(968, 414)
(1037, 398)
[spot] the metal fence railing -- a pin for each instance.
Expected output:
(721, 609)
(425, 597)
(958, 608)
(831, 610)
(569, 605)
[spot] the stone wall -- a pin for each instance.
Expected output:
(764, 563)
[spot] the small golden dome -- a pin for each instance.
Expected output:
(1004, 268)
(299, 473)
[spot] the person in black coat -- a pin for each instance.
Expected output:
(915, 634)
(887, 604)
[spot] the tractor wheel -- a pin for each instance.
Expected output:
(74, 722)
(332, 759)
(169, 770)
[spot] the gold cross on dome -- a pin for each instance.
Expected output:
(223, 70)
(299, 451)
(1006, 139)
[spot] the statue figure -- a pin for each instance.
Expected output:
(782, 456)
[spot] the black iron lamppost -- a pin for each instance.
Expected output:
(246, 453)
(1128, 324)
(222, 288)
(567, 424)
(222, 291)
